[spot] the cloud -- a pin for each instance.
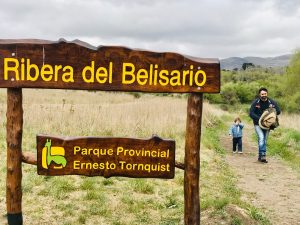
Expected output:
(201, 28)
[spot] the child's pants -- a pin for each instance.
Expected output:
(237, 142)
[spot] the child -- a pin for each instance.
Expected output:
(236, 131)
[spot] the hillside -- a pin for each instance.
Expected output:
(237, 62)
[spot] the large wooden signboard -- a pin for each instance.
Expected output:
(77, 65)
(95, 156)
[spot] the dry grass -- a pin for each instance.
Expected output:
(291, 121)
(81, 200)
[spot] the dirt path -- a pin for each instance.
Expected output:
(273, 187)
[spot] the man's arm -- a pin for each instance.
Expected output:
(252, 113)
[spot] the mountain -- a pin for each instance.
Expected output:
(237, 62)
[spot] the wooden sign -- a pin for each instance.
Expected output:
(78, 65)
(97, 156)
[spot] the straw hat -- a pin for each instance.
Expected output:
(268, 119)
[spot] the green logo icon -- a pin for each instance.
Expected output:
(53, 154)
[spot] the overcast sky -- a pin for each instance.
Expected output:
(201, 28)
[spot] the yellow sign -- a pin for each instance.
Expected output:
(26, 71)
(54, 155)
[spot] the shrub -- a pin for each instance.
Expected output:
(229, 95)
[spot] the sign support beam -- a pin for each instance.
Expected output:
(192, 160)
(14, 129)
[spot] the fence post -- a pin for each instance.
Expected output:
(14, 129)
(192, 160)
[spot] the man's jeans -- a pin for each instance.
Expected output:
(262, 140)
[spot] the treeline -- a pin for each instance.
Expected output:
(240, 87)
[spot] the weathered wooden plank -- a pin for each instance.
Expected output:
(29, 158)
(78, 65)
(14, 128)
(100, 156)
(179, 165)
(192, 160)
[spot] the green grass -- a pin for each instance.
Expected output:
(258, 216)
(236, 221)
(286, 144)
(91, 195)
(99, 208)
(210, 137)
(82, 219)
(142, 186)
(107, 182)
(172, 201)
(88, 184)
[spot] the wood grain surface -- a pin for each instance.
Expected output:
(101, 156)
(192, 160)
(14, 129)
(110, 59)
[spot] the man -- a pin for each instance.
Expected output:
(257, 108)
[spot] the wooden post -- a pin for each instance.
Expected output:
(192, 160)
(14, 128)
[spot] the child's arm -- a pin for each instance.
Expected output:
(241, 125)
(230, 131)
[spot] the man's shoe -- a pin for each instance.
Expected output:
(240, 152)
(263, 159)
(233, 152)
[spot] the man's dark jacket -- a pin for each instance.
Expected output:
(258, 107)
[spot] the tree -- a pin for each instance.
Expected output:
(292, 84)
(290, 101)
(247, 65)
